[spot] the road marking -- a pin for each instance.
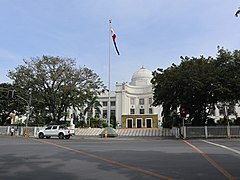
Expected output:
(109, 161)
(212, 162)
(222, 146)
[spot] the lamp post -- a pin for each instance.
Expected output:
(29, 106)
(26, 134)
(227, 118)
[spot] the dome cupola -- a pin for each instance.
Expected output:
(142, 77)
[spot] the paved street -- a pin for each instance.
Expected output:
(91, 158)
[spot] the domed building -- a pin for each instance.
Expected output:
(142, 77)
(131, 103)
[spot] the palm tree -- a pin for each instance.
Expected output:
(92, 103)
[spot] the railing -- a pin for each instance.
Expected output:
(185, 132)
(20, 131)
(211, 132)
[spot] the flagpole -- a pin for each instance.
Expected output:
(109, 67)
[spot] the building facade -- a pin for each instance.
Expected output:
(131, 102)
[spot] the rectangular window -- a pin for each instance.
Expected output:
(221, 111)
(132, 101)
(104, 113)
(150, 110)
(132, 111)
(139, 123)
(113, 103)
(150, 101)
(141, 111)
(105, 103)
(141, 101)
(112, 112)
(231, 110)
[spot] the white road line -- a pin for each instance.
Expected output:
(222, 146)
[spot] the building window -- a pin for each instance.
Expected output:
(141, 111)
(105, 103)
(231, 110)
(221, 111)
(141, 101)
(138, 123)
(150, 101)
(104, 113)
(113, 103)
(150, 110)
(129, 123)
(148, 123)
(132, 101)
(132, 111)
(112, 112)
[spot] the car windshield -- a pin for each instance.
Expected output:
(62, 127)
(49, 127)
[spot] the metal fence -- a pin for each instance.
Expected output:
(211, 132)
(20, 131)
(185, 132)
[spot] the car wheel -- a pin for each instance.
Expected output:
(41, 135)
(67, 137)
(61, 136)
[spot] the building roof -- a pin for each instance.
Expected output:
(142, 77)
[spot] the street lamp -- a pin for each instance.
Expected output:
(29, 106)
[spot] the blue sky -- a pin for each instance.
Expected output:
(150, 33)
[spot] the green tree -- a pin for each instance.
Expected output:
(198, 84)
(229, 75)
(191, 85)
(57, 84)
(8, 104)
(92, 103)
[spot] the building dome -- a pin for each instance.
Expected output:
(142, 77)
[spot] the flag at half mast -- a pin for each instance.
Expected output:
(114, 38)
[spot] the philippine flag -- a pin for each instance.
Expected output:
(114, 38)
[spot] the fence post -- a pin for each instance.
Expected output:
(177, 132)
(8, 130)
(228, 132)
(206, 132)
(34, 131)
(184, 132)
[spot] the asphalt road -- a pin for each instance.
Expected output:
(118, 158)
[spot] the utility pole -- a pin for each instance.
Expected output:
(28, 111)
(29, 106)
(26, 134)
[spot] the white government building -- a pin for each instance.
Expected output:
(131, 104)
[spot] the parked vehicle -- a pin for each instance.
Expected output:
(59, 131)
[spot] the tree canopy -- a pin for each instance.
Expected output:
(198, 84)
(56, 83)
(8, 104)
